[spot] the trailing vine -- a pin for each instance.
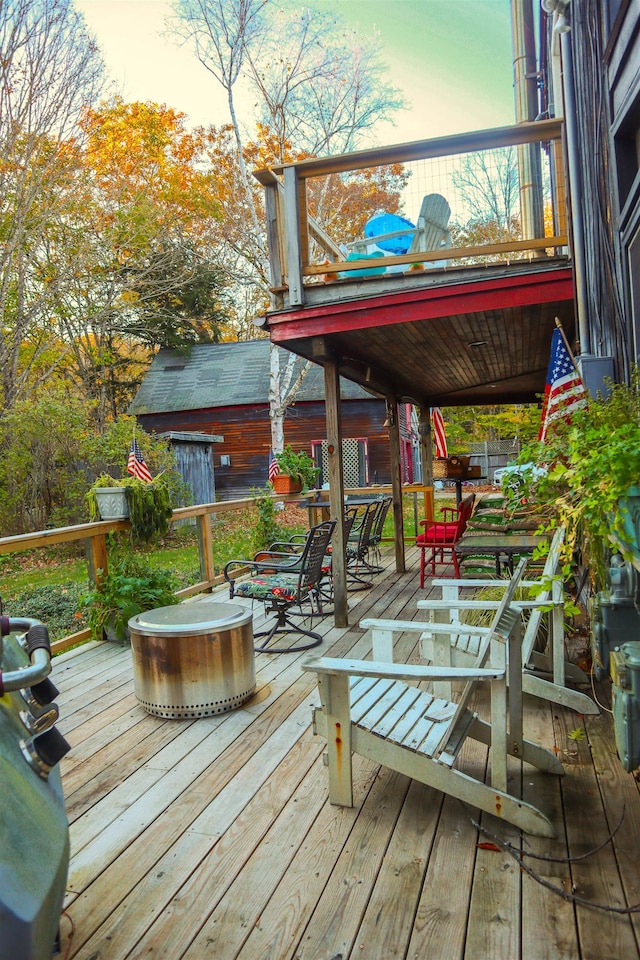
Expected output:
(149, 505)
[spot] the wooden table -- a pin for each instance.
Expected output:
(319, 510)
(501, 546)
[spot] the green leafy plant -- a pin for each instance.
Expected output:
(149, 505)
(299, 466)
(131, 586)
(267, 530)
(591, 465)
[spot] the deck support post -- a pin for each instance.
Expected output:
(205, 547)
(426, 460)
(336, 489)
(396, 481)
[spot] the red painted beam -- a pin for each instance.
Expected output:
(409, 306)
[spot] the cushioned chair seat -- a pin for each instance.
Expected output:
(440, 538)
(259, 588)
(439, 531)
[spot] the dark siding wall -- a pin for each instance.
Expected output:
(247, 438)
(603, 141)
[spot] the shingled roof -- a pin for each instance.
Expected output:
(210, 375)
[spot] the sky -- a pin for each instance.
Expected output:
(452, 59)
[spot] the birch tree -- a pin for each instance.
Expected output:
(316, 90)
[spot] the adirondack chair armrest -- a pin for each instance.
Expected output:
(454, 628)
(459, 604)
(396, 626)
(464, 604)
(480, 583)
(337, 666)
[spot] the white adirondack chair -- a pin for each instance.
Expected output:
(432, 231)
(370, 708)
(445, 641)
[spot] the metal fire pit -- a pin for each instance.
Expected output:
(193, 659)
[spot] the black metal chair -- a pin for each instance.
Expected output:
(285, 582)
(358, 545)
(280, 550)
(375, 537)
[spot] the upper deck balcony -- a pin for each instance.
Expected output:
(482, 256)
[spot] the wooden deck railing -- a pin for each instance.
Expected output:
(299, 232)
(94, 536)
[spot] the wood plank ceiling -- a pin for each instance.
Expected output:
(476, 337)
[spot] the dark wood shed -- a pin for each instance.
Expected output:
(221, 391)
(194, 456)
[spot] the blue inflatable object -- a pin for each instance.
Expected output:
(384, 223)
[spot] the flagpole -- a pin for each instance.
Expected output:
(566, 343)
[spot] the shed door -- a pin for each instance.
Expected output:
(195, 464)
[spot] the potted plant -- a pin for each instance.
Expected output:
(131, 586)
(297, 471)
(590, 483)
(147, 505)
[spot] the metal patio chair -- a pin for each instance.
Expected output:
(283, 584)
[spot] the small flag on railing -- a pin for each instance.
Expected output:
(564, 391)
(274, 469)
(136, 465)
(438, 432)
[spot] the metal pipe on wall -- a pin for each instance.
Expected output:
(575, 193)
(526, 108)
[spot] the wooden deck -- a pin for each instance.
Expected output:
(215, 838)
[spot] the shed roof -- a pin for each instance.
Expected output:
(210, 375)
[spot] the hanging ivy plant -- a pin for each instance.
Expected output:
(150, 509)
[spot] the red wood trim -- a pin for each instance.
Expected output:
(410, 306)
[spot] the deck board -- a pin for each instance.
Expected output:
(214, 836)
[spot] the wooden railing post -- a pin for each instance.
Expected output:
(296, 233)
(205, 547)
(97, 559)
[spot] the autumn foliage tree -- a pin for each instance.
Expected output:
(49, 69)
(150, 273)
(125, 261)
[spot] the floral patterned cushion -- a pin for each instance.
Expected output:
(263, 587)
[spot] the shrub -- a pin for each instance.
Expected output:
(57, 606)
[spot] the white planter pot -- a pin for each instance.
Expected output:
(112, 503)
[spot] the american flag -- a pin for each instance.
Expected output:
(438, 432)
(274, 469)
(564, 392)
(136, 465)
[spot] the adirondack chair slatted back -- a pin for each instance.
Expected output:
(433, 220)
(550, 587)
(504, 621)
